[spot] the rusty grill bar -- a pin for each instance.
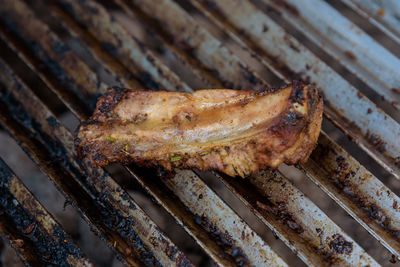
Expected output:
(199, 45)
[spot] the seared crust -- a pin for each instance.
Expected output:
(236, 132)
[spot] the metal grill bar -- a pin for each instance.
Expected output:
(348, 44)
(360, 193)
(351, 111)
(117, 218)
(383, 14)
(38, 239)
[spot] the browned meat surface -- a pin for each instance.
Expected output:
(236, 132)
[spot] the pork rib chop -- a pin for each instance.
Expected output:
(235, 132)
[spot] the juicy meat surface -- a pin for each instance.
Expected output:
(236, 132)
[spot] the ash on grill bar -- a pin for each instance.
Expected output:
(340, 208)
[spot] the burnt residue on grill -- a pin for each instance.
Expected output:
(339, 245)
(224, 240)
(110, 48)
(279, 209)
(61, 48)
(54, 249)
(370, 209)
(376, 141)
(249, 75)
(342, 180)
(281, 212)
(182, 261)
(113, 219)
(52, 121)
(172, 252)
(16, 109)
(148, 81)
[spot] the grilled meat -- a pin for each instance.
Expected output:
(236, 132)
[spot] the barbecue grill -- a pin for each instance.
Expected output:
(237, 44)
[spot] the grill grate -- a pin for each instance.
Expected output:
(121, 58)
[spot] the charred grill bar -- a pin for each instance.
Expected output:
(37, 42)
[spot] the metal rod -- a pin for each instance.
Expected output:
(35, 235)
